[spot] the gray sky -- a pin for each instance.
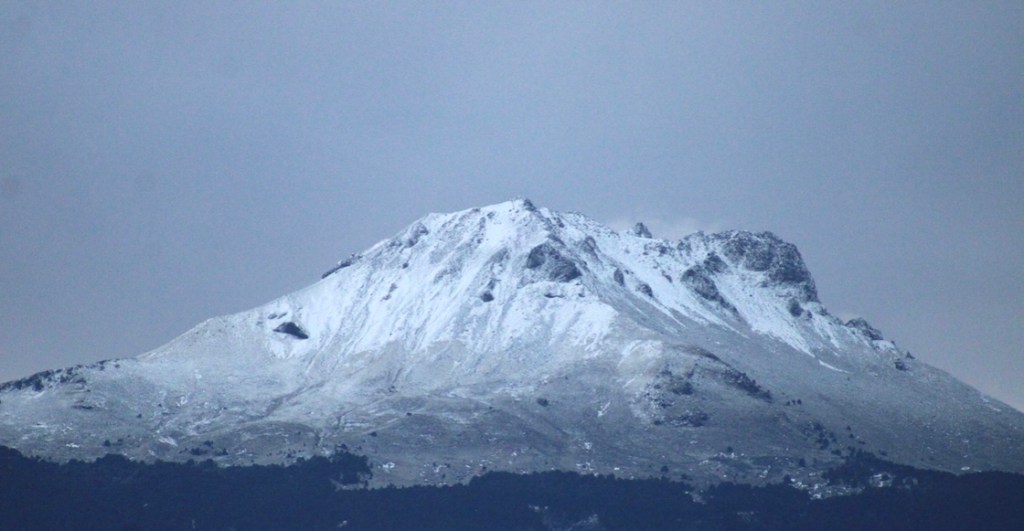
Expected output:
(162, 163)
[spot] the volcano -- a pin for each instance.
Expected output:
(516, 338)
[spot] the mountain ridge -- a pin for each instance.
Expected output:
(512, 337)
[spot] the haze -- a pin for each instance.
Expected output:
(162, 163)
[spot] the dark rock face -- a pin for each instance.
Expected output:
(589, 246)
(41, 380)
(292, 329)
(714, 263)
(862, 326)
(753, 252)
(641, 231)
(620, 279)
(546, 258)
(748, 385)
(794, 308)
(699, 281)
(765, 252)
(698, 278)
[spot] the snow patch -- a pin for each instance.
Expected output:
(827, 366)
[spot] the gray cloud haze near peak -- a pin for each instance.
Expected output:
(162, 163)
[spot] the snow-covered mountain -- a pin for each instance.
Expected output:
(512, 337)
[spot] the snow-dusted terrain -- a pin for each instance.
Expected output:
(516, 338)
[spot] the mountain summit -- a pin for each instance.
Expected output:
(512, 337)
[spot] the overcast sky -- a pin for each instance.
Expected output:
(163, 163)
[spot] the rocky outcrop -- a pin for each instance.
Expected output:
(555, 266)
(699, 279)
(861, 325)
(765, 252)
(291, 329)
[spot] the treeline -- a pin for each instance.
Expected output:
(324, 493)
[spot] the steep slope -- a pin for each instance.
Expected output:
(516, 338)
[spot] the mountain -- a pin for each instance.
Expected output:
(516, 338)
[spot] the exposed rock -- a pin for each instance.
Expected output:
(699, 280)
(40, 380)
(341, 265)
(546, 258)
(291, 329)
(765, 252)
(589, 245)
(414, 234)
(675, 384)
(748, 385)
(714, 263)
(861, 325)
(689, 419)
(640, 231)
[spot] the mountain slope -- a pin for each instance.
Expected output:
(516, 338)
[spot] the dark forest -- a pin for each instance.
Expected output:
(114, 493)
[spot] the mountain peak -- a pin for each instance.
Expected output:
(509, 251)
(640, 231)
(762, 252)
